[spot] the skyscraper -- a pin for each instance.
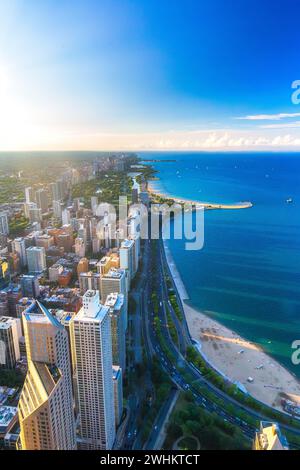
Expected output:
(10, 332)
(36, 259)
(118, 393)
(91, 333)
(30, 286)
(34, 213)
(127, 257)
(4, 229)
(114, 281)
(66, 217)
(82, 266)
(80, 247)
(89, 281)
(29, 195)
(116, 305)
(19, 247)
(57, 209)
(57, 190)
(45, 408)
(42, 200)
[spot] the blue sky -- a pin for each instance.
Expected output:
(113, 74)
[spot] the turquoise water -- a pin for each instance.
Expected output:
(247, 276)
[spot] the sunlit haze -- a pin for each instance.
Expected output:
(90, 75)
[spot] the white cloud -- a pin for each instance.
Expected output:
(268, 117)
(286, 125)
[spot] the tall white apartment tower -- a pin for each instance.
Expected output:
(92, 353)
(127, 257)
(36, 259)
(29, 195)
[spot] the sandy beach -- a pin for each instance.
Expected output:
(199, 204)
(235, 357)
(239, 359)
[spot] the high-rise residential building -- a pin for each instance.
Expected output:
(118, 393)
(57, 209)
(10, 332)
(116, 305)
(107, 236)
(119, 237)
(42, 200)
(66, 217)
(30, 239)
(57, 190)
(45, 409)
(136, 252)
(115, 281)
(82, 266)
(82, 232)
(269, 437)
(80, 247)
(89, 281)
(76, 204)
(28, 206)
(4, 229)
(19, 247)
(29, 195)
(14, 264)
(91, 332)
(135, 196)
(65, 241)
(127, 257)
(30, 286)
(36, 259)
(94, 204)
(34, 213)
(44, 240)
(55, 271)
(96, 245)
(14, 294)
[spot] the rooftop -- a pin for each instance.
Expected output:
(115, 273)
(6, 322)
(270, 437)
(127, 243)
(115, 300)
(37, 313)
(7, 414)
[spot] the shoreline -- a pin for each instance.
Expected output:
(234, 357)
(206, 205)
(242, 362)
